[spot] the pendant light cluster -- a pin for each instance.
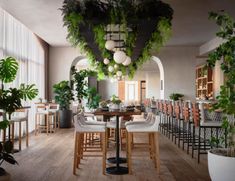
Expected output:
(119, 56)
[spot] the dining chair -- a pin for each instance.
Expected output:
(152, 130)
(82, 148)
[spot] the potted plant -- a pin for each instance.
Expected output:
(104, 105)
(221, 162)
(93, 98)
(80, 82)
(114, 103)
(63, 97)
(176, 96)
(10, 100)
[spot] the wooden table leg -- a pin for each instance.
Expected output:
(19, 135)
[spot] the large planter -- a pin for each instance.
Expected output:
(221, 168)
(65, 118)
(4, 176)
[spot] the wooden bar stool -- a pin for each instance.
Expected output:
(19, 117)
(81, 129)
(42, 111)
(150, 128)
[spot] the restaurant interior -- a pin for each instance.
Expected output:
(117, 90)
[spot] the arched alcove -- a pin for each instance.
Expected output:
(160, 66)
(74, 63)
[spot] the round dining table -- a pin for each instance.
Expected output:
(117, 169)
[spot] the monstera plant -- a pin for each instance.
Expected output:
(10, 100)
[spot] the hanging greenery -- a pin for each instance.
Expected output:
(87, 22)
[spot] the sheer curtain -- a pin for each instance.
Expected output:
(18, 41)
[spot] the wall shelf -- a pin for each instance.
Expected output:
(204, 82)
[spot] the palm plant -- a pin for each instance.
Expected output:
(10, 100)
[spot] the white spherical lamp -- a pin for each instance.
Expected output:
(116, 66)
(106, 61)
(119, 73)
(127, 61)
(119, 57)
(110, 68)
(109, 44)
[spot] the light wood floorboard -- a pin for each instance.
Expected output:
(50, 158)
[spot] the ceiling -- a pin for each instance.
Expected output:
(190, 24)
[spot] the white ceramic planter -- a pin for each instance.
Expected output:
(221, 168)
(114, 106)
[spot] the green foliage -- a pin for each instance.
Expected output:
(97, 15)
(28, 91)
(176, 96)
(79, 79)
(115, 99)
(93, 98)
(226, 52)
(63, 94)
(10, 100)
(8, 69)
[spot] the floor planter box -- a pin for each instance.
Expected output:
(221, 168)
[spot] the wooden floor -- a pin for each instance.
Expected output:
(50, 158)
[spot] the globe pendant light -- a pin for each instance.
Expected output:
(119, 73)
(110, 68)
(127, 61)
(116, 66)
(109, 44)
(119, 57)
(106, 61)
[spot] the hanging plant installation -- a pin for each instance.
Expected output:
(117, 35)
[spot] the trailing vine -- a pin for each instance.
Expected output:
(97, 15)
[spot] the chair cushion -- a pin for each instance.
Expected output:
(211, 123)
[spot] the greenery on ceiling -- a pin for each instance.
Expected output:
(97, 15)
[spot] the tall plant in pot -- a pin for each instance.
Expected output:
(221, 162)
(10, 100)
(63, 97)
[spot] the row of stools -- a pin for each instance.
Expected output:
(85, 131)
(46, 118)
(185, 124)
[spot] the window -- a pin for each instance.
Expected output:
(19, 42)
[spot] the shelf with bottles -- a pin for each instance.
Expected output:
(204, 82)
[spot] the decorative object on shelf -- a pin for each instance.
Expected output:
(130, 27)
(10, 101)
(221, 163)
(63, 96)
(176, 96)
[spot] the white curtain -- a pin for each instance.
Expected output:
(18, 41)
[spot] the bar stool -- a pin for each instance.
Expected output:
(151, 129)
(43, 111)
(20, 116)
(53, 109)
(82, 128)
(201, 122)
